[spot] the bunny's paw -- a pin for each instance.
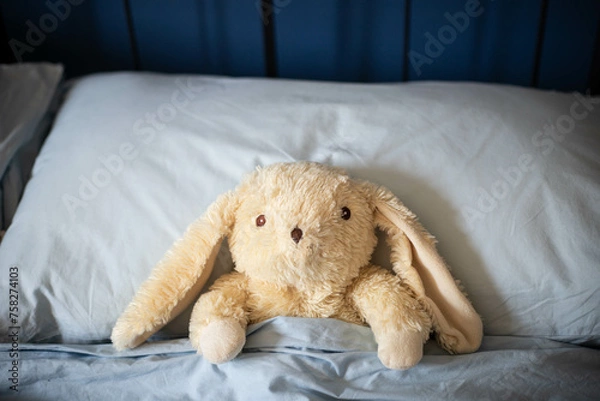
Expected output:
(221, 340)
(400, 350)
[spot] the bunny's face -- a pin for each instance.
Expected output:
(303, 225)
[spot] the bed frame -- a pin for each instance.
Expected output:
(541, 43)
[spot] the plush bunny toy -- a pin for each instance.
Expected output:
(301, 236)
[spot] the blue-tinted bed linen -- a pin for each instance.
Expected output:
(306, 359)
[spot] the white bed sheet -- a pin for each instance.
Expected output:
(304, 359)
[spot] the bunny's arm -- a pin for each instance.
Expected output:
(219, 319)
(398, 320)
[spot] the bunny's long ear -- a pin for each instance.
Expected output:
(178, 278)
(416, 260)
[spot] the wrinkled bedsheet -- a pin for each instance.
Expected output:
(307, 359)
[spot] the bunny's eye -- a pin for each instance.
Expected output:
(346, 213)
(260, 220)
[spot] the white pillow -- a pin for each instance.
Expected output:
(28, 97)
(134, 158)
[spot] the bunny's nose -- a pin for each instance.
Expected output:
(296, 235)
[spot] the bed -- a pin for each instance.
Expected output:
(505, 176)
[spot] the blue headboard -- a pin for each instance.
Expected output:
(542, 43)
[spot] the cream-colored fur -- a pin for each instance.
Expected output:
(325, 273)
